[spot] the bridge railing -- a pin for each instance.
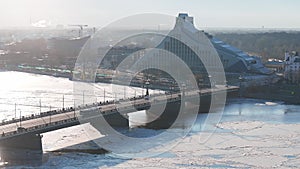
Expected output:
(80, 107)
(64, 110)
(36, 116)
(54, 112)
(37, 128)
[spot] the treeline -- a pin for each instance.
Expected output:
(267, 45)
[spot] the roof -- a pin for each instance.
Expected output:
(235, 50)
(183, 15)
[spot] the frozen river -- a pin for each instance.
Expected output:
(29, 93)
(251, 134)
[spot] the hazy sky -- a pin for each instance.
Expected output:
(207, 13)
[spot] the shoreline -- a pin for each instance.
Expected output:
(273, 93)
(98, 80)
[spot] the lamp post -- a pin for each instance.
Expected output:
(20, 119)
(240, 85)
(209, 81)
(134, 97)
(63, 101)
(15, 110)
(147, 86)
(83, 97)
(74, 110)
(172, 89)
(50, 115)
(104, 95)
(183, 89)
(124, 93)
(40, 106)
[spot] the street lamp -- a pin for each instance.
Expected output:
(240, 80)
(183, 88)
(209, 81)
(172, 89)
(20, 119)
(226, 83)
(147, 86)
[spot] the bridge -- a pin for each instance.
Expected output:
(25, 132)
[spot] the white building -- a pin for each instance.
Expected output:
(292, 61)
(292, 67)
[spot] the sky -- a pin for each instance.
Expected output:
(98, 13)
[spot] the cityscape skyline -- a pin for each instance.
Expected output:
(216, 14)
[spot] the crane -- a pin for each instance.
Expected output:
(80, 28)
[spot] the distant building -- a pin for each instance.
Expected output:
(275, 64)
(292, 61)
(235, 61)
(117, 54)
(212, 50)
(292, 67)
(238, 61)
(65, 50)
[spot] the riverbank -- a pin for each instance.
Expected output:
(288, 93)
(98, 79)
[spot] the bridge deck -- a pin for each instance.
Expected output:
(49, 121)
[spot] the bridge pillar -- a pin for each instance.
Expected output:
(213, 102)
(164, 120)
(27, 141)
(169, 116)
(22, 150)
(205, 103)
(116, 120)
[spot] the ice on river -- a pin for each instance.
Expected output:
(239, 144)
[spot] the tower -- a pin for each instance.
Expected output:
(185, 17)
(287, 57)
